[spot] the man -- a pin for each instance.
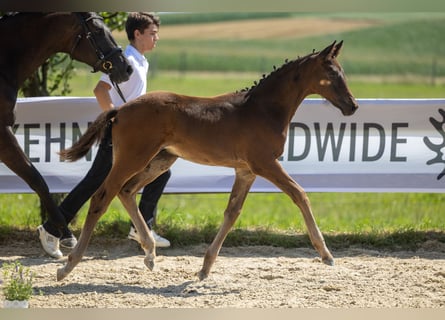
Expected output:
(142, 32)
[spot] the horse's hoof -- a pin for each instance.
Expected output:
(202, 275)
(329, 261)
(149, 262)
(61, 274)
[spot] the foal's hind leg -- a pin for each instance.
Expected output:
(98, 205)
(275, 173)
(160, 164)
(77, 253)
(243, 181)
(146, 238)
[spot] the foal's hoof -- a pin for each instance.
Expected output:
(202, 275)
(61, 274)
(329, 261)
(149, 262)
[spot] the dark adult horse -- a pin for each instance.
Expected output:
(243, 130)
(28, 40)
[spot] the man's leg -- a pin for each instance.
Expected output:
(99, 170)
(151, 194)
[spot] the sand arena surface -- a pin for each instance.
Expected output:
(112, 274)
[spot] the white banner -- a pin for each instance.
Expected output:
(391, 145)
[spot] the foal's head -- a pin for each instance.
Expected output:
(326, 78)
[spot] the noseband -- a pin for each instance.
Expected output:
(103, 59)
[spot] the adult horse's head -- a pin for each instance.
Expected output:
(95, 46)
(329, 80)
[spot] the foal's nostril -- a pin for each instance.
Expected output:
(355, 106)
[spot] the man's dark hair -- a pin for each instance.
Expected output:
(139, 21)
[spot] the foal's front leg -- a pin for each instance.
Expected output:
(243, 181)
(275, 173)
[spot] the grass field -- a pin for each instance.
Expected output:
(383, 51)
(374, 45)
(385, 56)
(214, 83)
(385, 220)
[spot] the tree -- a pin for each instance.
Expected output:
(51, 78)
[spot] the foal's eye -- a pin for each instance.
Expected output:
(334, 73)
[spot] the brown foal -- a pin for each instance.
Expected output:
(244, 130)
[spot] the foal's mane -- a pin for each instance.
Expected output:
(276, 71)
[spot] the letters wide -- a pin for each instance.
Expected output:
(380, 148)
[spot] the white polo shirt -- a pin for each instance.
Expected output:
(136, 85)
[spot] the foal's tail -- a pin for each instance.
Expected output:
(94, 134)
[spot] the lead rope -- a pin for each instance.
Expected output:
(116, 86)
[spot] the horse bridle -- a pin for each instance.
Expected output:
(103, 59)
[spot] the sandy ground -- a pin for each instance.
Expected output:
(114, 275)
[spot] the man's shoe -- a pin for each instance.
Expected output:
(132, 235)
(49, 243)
(68, 241)
(160, 242)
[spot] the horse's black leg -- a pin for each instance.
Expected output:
(15, 159)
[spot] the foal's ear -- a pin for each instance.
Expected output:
(337, 49)
(332, 51)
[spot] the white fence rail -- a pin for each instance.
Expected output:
(390, 145)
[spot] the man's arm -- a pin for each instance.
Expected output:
(102, 93)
